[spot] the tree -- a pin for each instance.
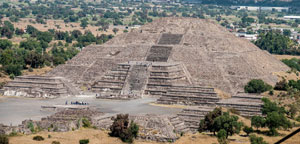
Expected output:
(5, 44)
(257, 121)
(13, 69)
(275, 42)
(275, 116)
(34, 59)
(248, 130)
(256, 140)
(229, 123)
(31, 30)
(269, 107)
(7, 57)
(207, 122)
(76, 33)
(121, 128)
(30, 44)
(84, 23)
(287, 32)
(257, 86)
(44, 36)
(275, 120)
(4, 139)
(292, 110)
(58, 60)
(115, 30)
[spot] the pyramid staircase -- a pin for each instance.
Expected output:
(112, 83)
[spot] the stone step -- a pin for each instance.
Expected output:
(195, 98)
(162, 78)
(110, 81)
(9, 86)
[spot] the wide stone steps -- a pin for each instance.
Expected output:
(192, 93)
(178, 125)
(36, 86)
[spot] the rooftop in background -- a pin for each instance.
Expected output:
(292, 17)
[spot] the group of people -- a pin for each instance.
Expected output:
(77, 103)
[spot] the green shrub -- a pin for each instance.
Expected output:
(55, 142)
(86, 123)
(257, 86)
(298, 118)
(84, 141)
(4, 139)
(222, 135)
(38, 138)
(13, 69)
(31, 127)
(30, 69)
(248, 130)
(256, 140)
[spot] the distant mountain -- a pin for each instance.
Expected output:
(291, 3)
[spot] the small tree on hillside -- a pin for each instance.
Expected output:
(229, 123)
(121, 128)
(257, 86)
(275, 120)
(248, 130)
(257, 121)
(207, 122)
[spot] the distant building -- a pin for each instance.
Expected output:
(247, 36)
(253, 8)
(291, 17)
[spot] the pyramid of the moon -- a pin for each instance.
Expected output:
(169, 52)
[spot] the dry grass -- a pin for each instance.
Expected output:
(101, 137)
(222, 94)
(280, 57)
(39, 71)
(287, 76)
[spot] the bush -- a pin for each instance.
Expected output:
(234, 111)
(38, 138)
(121, 128)
(256, 140)
(86, 123)
(282, 85)
(222, 135)
(4, 139)
(55, 142)
(248, 130)
(84, 141)
(13, 69)
(257, 86)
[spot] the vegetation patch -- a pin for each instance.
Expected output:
(124, 129)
